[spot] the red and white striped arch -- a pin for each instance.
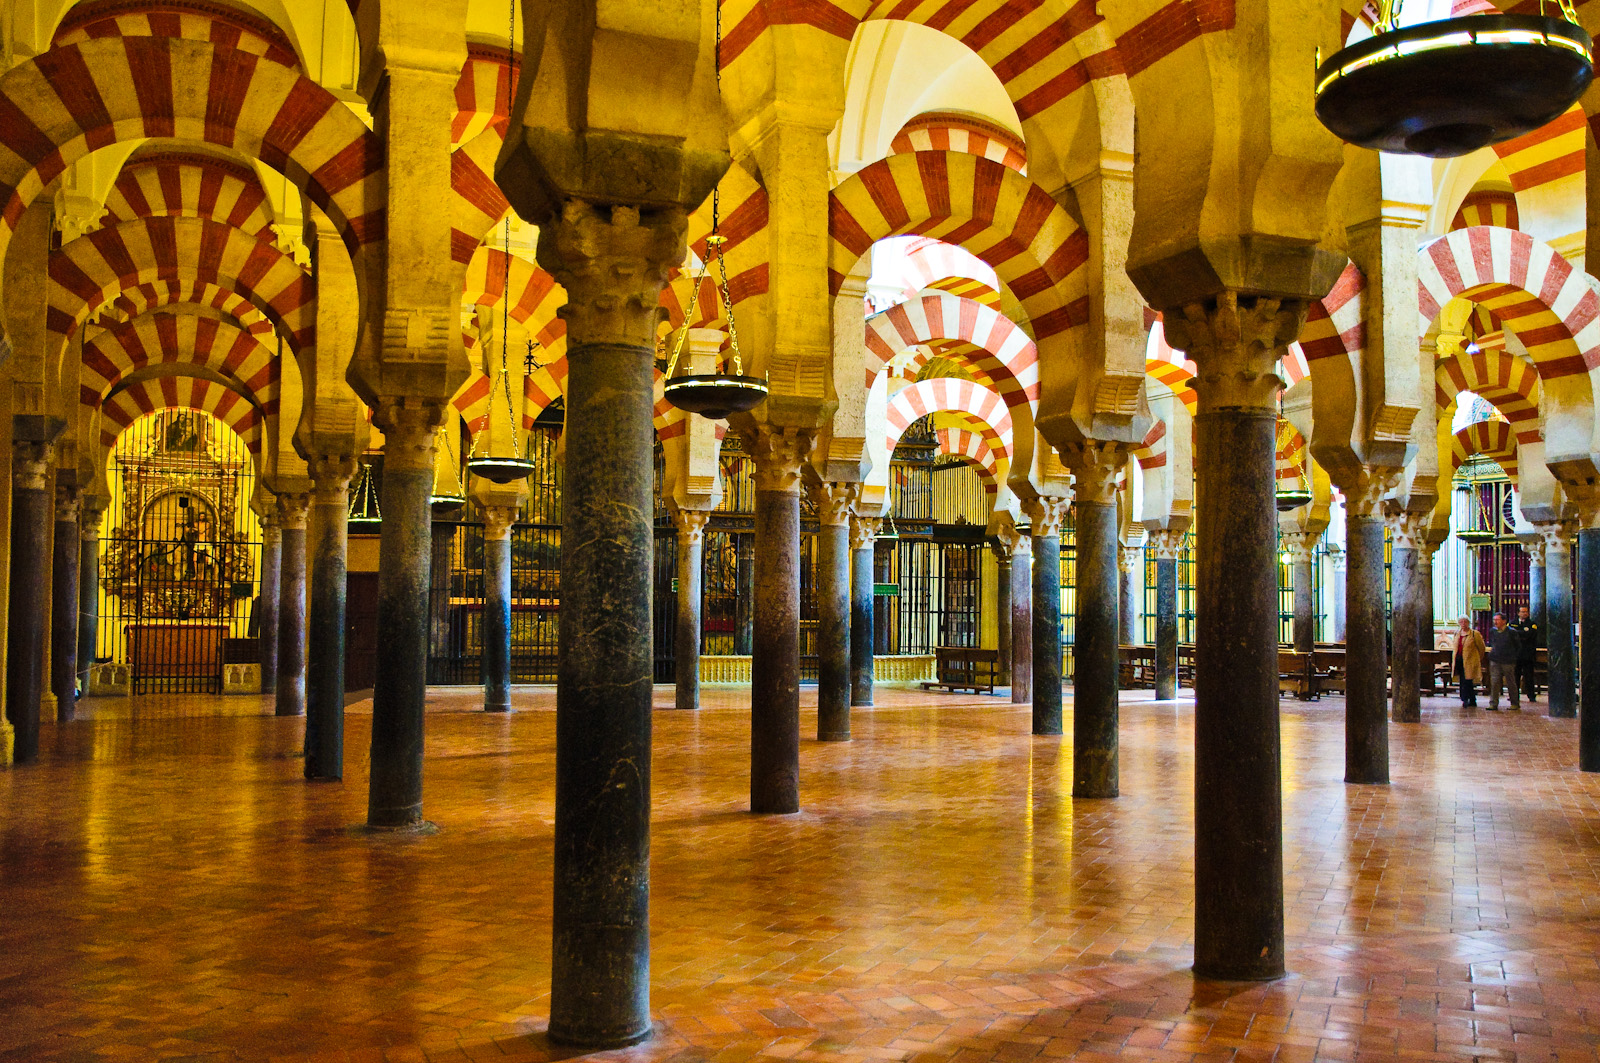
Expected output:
(537, 295)
(990, 345)
(975, 450)
(1487, 206)
(1151, 453)
(1492, 439)
(92, 270)
(1538, 295)
(1547, 154)
(1006, 220)
(128, 403)
(477, 204)
(179, 339)
(972, 401)
(153, 295)
(946, 267)
(743, 209)
(193, 186)
(484, 92)
(951, 131)
(1507, 382)
(225, 27)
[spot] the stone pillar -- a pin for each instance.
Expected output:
(775, 660)
(1301, 546)
(1366, 716)
(1130, 611)
(1022, 620)
(88, 589)
(1336, 595)
(1002, 612)
(1168, 544)
(1238, 813)
(292, 512)
(691, 524)
(1095, 658)
(834, 686)
(442, 536)
(863, 539)
(405, 554)
(327, 548)
(1533, 545)
(267, 611)
(64, 574)
(612, 261)
(1405, 666)
(744, 579)
(497, 522)
(1047, 515)
(30, 588)
(1589, 649)
(1558, 612)
(1427, 546)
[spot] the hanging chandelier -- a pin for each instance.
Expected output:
(508, 468)
(1290, 494)
(364, 517)
(1447, 88)
(447, 496)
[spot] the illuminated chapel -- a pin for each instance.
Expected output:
(940, 531)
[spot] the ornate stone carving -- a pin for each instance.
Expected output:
(613, 262)
(691, 523)
(1168, 543)
(409, 428)
(1095, 465)
(1557, 536)
(30, 465)
(1407, 530)
(292, 510)
(497, 522)
(331, 475)
(1235, 346)
(1300, 545)
(89, 518)
(834, 501)
(1364, 497)
(1130, 559)
(1337, 556)
(1046, 514)
(1533, 546)
(68, 502)
(864, 531)
(779, 453)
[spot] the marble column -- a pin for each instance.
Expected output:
(744, 580)
(441, 542)
(64, 573)
(405, 555)
(863, 543)
(291, 693)
(833, 503)
(267, 605)
(1130, 610)
(1238, 816)
(496, 667)
(1366, 706)
(1405, 666)
(775, 663)
(31, 520)
(1301, 547)
(1589, 649)
(1562, 696)
(1095, 768)
(1047, 515)
(691, 525)
(1002, 557)
(1425, 617)
(1336, 594)
(88, 588)
(1168, 544)
(327, 549)
(1537, 607)
(1022, 620)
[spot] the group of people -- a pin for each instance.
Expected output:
(1509, 652)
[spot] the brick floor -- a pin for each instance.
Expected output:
(171, 889)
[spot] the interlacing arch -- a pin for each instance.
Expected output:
(214, 24)
(180, 339)
(538, 296)
(743, 208)
(1006, 220)
(972, 448)
(71, 100)
(153, 295)
(1503, 379)
(991, 344)
(1492, 439)
(947, 395)
(191, 186)
(484, 93)
(133, 400)
(949, 131)
(1151, 453)
(89, 272)
(1334, 325)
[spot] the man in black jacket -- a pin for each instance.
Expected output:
(1504, 648)
(1528, 635)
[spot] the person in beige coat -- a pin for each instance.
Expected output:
(1467, 661)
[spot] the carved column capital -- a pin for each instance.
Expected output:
(89, 519)
(1095, 465)
(834, 501)
(1557, 536)
(1337, 556)
(330, 477)
(30, 464)
(410, 427)
(1235, 344)
(271, 529)
(1168, 543)
(691, 523)
(1407, 529)
(1300, 545)
(497, 522)
(1046, 514)
(1533, 546)
(1363, 497)
(292, 509)
(779, 452)
(69, 501)
(864, 531)
(613, 262)
(1130, 559)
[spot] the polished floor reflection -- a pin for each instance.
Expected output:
(170, 888)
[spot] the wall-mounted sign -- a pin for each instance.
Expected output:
(886, 590)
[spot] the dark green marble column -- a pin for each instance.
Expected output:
(64, 572)
(1022, 620)
(1047, 515)
(266, 616)
(496, 665)
(1405, 667)
(1168, 545)
(32, 525)
(1366, 706)
(863, 539)
(1563, 696)
(327, 549)
(691, 525)
(292, 513)
(89, 589)
(1095, 658)
(833, 502)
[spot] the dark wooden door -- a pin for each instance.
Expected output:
(360, 630)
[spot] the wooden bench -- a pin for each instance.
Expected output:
(1136, 667)
(965, 668)
(1296, 675)
(1435, 669)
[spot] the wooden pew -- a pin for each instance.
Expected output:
(965, 668)
(1295, 675)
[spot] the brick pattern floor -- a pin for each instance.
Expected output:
(171, 889)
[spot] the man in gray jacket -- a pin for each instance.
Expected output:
(1505, 646)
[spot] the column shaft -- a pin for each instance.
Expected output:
(1166, 628)
(744, 578)
(327, 546)
(1424, 599)
(1558, 611)
(1405, 666)
(1366, 719)
(1095, 659)
(88, 598)
(496, 665)
(691, 592)
(64, 606)
(1537, 607)
(1304, 603)
(1589, 663)
(1130, 607)
(834, 685)
(861, 561)
(31, 534)
(1022, 622)
(1002, 615)
(291, 700)
(1046, 677)
(775, 663)
(267, 610)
